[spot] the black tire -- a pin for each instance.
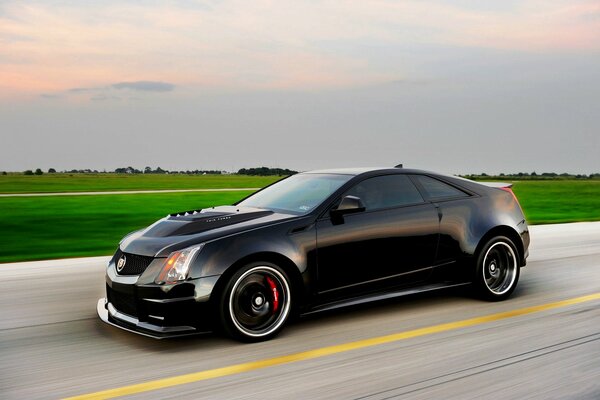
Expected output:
(255, 302)
(497, 269)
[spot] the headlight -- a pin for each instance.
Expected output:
(177, 265)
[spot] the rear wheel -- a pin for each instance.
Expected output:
(498, 269)
(256, 302)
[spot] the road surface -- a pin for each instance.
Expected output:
(52, 345)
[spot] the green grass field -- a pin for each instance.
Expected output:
(47, 183)
(551, 202)
(33, 228)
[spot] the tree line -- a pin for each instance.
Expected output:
(531, 176)
(266, 171)
(260, 171)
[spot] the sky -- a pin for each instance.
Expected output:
(461, 86)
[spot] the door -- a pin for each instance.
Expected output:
(392, 242)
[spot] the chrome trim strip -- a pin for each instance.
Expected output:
(119, 315)
(165, 329)
(174, 300)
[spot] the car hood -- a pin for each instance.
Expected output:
(187, 228)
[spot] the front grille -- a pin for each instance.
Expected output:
(134, 264)
(123, 302)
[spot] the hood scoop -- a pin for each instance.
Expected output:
(196, 221)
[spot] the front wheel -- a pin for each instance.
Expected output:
(498, 269)
(255, 303)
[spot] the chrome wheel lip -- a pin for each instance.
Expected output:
(511, 269)
(284, 309)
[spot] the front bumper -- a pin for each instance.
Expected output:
(137, 304)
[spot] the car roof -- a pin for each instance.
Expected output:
(463, 183)
(362, 170)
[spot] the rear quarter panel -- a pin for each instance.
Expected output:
(465, 223)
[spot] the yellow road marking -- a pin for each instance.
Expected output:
(324, 351)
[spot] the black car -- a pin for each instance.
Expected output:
(311, 242)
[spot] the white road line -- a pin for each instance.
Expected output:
(125, 192)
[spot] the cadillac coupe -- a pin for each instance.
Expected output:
(310, 242)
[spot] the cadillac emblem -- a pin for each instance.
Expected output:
(121, 263)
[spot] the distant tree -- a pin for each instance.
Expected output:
(38, 171)
(147, 170)
(51, 171)
(28, 172)
(264, 171)
(4, 173)
(128, 170)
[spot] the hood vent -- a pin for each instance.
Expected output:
(206, 221)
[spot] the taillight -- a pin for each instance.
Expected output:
(509, 190)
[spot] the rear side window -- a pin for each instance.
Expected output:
(437, 189)
(386, 191)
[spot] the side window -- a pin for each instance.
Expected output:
(386, 191)
(437, 189)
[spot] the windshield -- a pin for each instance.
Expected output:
(298, 194)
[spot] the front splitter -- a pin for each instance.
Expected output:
(109, 315)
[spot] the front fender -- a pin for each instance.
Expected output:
(295, 241)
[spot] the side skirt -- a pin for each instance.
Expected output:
(383, 296)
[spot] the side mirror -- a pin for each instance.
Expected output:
(348, 205)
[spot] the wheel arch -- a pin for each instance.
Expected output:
(290, 268)
(503, 230)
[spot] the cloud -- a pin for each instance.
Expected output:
(82, 90)
(103, 97)
(233, 44)
(145, 86)
(106, 92)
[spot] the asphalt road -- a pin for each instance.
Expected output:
(52, 345)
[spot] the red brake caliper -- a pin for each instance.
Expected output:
(273, 287)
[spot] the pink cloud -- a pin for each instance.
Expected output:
(262, 44)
